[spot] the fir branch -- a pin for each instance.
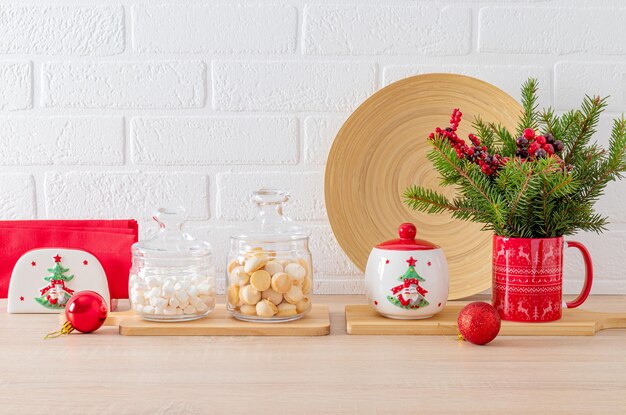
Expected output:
(485, 133)
(529, 117)
(426, 200)
(590, 112)
(509, 145)
(459, 170)
(429, 201)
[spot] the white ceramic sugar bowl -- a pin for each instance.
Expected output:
(407, 278)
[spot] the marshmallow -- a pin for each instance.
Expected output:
(171, 296)
(152, 282)
(189, 309)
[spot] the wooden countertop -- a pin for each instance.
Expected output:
(105, 373)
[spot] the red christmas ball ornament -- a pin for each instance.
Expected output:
(479, 322)
(85, 311)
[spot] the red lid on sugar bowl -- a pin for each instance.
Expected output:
(407, 241)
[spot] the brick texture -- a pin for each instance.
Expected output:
(505, 30)
(386, 30)
(62, 29)
(217, 28)
(123, 84)
(306, 189)
(91, 194)
(214, 140)
(291, 86)
(61, 140)
(16, 85)
(18, 196)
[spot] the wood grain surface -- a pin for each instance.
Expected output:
(105, 373)
(381, 150)
(362, 319)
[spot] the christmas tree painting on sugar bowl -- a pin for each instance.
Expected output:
(407, 278)
(530, 188)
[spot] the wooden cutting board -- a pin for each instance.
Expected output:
(362, 319)
(220, 323)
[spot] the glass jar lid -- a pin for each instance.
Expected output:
(270, 224)
(170, 240)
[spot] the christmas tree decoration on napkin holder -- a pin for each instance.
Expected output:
(43, 280)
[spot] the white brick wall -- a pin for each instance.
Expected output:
(110, 109)
(16, 91)
(62, 30)
(62, 140)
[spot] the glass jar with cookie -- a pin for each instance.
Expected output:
(269, 276)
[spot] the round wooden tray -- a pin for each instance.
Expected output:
(381, 150)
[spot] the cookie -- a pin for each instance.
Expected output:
(260, 280)
(307, 285)
(239, 276)
(273, 296)
(248, 310)
(294, 295)
(249, 295)
(303, 305)
(266, 308)
(233, 264)
(255, 262)
(233, 295)
(281, 282)
(273, 267)
(286, 309)
(296, 271)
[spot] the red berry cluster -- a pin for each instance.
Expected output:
(475, 152)
(535, 146)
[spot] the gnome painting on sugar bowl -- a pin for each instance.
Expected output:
(407, 278)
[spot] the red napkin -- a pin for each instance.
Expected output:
(107, 240)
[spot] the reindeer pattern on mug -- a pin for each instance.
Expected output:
(528, 278)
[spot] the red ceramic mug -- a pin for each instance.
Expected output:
(528, 278)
